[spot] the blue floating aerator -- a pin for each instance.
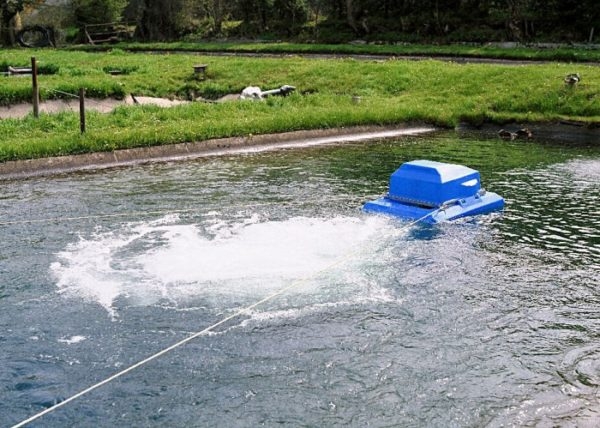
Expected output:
(433, 192)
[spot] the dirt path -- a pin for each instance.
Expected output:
(18, 111)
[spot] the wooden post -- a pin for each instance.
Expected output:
(200, 70)
(82, 110)
(35, 88)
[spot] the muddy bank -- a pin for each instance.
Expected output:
(183, 151)
(564, 131)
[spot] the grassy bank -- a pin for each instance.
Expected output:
(391, 92)
(562, 53)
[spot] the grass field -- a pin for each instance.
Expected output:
(564, 53)
(391, 91)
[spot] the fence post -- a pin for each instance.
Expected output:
(35, 88)
(82, 110)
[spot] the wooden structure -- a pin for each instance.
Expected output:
(112, 32)
(200, 70)
(19, 70)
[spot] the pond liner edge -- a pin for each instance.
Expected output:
(58, 165)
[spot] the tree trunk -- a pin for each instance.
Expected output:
(157, 21)
(7, 29)
(316, 26)
(514, 20)
(217, 15)
(350, 16)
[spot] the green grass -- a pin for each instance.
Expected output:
(563, 53)
(391, 91)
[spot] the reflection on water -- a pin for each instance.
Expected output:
(490, 321)
(551, 210)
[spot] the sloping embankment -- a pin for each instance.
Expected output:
(563, 132)
(183, 151)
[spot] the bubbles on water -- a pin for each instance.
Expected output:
(220, 263)
(549, 409)
(568, 191)
(583, 172)
(581, 367)
(72, 340)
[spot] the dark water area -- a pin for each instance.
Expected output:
(491, 321)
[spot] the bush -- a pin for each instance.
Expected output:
(97, 11)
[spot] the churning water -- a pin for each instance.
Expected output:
(492, 321)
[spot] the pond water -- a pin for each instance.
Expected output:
(492, 321)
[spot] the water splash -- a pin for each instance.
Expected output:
(218, 261)
(72, 340)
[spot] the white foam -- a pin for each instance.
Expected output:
(585, 172)
(145, 263)
(288, 249)
(72, 340)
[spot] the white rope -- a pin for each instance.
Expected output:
(63, 93)
(92, 217)
(180, 343)
(76, 96)
(148, 213)
(200, 333)
(153, 357)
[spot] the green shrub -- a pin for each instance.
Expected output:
(97, 11)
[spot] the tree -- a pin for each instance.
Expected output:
(289, 15)
(10, 10)
(217, 12)
(255, 14)
(97, 11)
(161, 20)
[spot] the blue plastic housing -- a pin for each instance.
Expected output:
(431, 184)
(433, 192)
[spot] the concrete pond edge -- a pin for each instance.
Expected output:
(564, 132)
(184, 151)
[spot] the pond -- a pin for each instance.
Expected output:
(490, 321)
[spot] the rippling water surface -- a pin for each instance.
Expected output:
(492, 321)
